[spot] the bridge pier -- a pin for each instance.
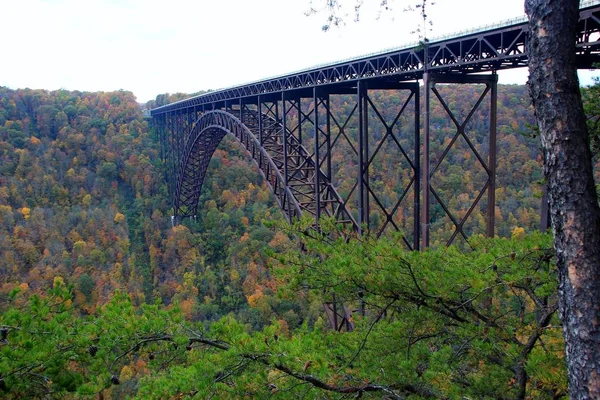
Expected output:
(490, 83)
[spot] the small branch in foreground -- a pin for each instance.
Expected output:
(316, 382)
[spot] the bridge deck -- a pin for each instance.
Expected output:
(489, 49)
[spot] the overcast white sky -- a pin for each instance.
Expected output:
(151, 47)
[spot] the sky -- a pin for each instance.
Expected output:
(151, 47)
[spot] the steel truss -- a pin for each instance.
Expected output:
(493, 49)
(279, 131)
(288, 126)
(487, 164)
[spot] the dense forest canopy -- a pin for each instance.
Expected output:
(88, 249)
(83, 197)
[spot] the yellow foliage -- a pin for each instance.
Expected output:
(252, 269)
(35, 141)
(58, 281)
(26, 211)
(79, 245)
(284, 328)
(279, 239)
(127, 373)
(119, 218)
(87, 200)
(227, 195)
(24, 286)
(186, 307)
(141, 366)
(179, 228)
(234, 275)
(79, 298)
(255, 297)
(518, 233)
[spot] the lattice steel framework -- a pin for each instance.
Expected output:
(297, 138)
(431, 167)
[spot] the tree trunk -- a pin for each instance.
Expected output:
(573, 202)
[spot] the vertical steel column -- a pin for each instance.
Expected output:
(317, 157)
(260, 120)
(179, 137)
(417, 164)
(286, 191)
(366, 156)
(284, 138)
(300, 117)
(159, 129)
(188, 111)
(179, 128)
(328, 137)
(427, 84)
(492, 156)
(241, 111)
(363, 193)
(173, 176)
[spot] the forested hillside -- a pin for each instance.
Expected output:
(90, 264)
(82, 197)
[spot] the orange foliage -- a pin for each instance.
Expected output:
(254, 298)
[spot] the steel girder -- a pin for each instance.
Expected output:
(488, 49)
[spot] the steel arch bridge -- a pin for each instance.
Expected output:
(289, 127)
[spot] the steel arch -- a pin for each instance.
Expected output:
(204, 137)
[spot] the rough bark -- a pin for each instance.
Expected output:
(573, 202)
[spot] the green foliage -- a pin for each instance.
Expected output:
(474, 324)
(440, 324)
(49, 350)
(591, 105)
(108, 170)
(86, 285)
